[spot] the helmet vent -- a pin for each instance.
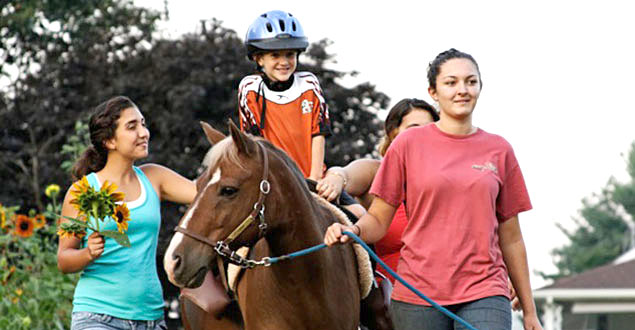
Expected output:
(293, 26)
(264, 15)
(281, 22)
(269, 27)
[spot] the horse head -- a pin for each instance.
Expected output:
(228, 209)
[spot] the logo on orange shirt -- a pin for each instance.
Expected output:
(307, 106)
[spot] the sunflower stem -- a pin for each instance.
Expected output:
(94, 217)
(54, 200)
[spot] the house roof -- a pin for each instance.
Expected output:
(611, 276)
(627, 256)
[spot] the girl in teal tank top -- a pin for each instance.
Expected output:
(119, 287)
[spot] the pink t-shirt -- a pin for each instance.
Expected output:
(457, 190)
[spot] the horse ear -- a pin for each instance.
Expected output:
(213, 136)
(243, 142)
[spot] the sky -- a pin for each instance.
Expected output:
(557, 80)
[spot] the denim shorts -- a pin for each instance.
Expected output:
(491, 313)
(95, 321)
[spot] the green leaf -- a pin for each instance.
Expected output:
(122, 239)
(78, 222)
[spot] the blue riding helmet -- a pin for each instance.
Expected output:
(275, 30)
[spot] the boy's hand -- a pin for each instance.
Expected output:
(330, 187)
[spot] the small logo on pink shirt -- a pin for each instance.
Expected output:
(486, 166)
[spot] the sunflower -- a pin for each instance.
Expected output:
(110, 188)
(70, 229)
(52, 190)
(24, 226)
(3, 218)
(39, 221)
(122, 216)
(80, 187)
(63, 233)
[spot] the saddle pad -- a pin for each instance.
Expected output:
(364, 267)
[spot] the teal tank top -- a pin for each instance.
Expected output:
(123, 282)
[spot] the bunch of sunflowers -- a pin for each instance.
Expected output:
(95, 207)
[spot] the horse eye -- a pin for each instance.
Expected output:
(228, 191)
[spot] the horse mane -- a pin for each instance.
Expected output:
(284, 157)
(223, 151)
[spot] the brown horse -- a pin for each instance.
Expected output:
(252, 194)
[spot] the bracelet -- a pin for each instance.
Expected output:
(359, 230)
(341, 175)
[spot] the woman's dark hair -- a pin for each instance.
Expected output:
(435, 66)
(102, 126)
(396, 115)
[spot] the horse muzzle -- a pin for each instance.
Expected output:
(185, 265)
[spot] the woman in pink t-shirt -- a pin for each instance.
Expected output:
(357, 177)
(463, 190)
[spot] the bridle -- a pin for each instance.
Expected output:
(258, 213)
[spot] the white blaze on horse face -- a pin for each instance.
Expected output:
(215, 178)
(178, 237)
(168, 259)
(188, 216)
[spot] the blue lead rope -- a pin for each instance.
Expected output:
(273, 260)
(442, 309)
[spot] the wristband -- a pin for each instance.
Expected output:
(359, 230)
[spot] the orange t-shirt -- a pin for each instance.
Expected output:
(292, 117)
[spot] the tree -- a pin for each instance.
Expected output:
(605, 229)
(72, 55)
(180, 82)
(65, 53)
(353, 111)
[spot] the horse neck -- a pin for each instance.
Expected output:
(300, 222)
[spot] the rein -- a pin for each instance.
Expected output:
(223, 249)
(267, 261)
(258, 213)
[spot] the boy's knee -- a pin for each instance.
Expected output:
(356, 209)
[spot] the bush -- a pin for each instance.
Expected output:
(34, 293)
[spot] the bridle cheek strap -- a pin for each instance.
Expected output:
(259, 206)
(256, 213)
(195, 236)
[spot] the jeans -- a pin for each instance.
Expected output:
(491, 313)
(94, 321)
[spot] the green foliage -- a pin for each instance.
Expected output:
(73, 55)
(75, 145)
(34, 294)
(66, 54)
(603, 231)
